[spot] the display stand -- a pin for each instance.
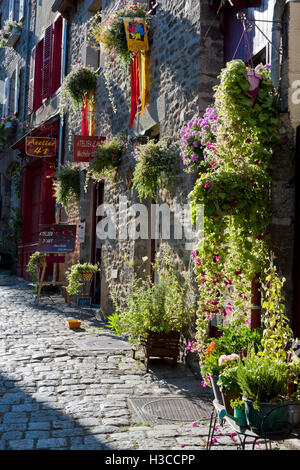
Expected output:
(57, 260)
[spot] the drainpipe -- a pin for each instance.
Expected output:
(63, 74)
(27, 56)
(277, 29)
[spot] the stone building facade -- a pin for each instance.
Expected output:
(13, 79)
(190, 42)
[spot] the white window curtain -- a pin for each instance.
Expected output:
(17, 88)
(6, 96)
(21, 10)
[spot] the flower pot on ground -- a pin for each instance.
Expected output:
(235, 340)
(147, 310)
(73, 324)
(79, 273)
(227, 382)
(263, 381)
(161, 344)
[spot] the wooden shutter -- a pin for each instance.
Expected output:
(31, 81)
(17, 88)
(38, 76)
(46, 69)
(56, 55)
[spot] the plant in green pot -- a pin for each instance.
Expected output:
(227, 381)
(263, 381)
(153, 314)
(239, 414)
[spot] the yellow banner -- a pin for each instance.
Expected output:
(136, 34)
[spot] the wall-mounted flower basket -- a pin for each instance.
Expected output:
(67, 184)
(78, 85)
(8, 130)
(124, 36)
(10, 33)
(107, 160)
(254, 79)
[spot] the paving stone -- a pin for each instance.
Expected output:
(52, 443)
(21, 444)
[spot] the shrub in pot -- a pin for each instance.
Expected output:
(263, 382)
(67, 184)
(146, 309)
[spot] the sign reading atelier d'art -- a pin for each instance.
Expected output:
(136, 34)
(84, 145)
(40, 146)
(57, 238)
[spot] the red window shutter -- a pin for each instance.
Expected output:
(56, 55)
(46, 69)
(31, 81)
(38, 101)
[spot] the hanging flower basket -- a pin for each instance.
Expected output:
(10, 33)
(254, 80)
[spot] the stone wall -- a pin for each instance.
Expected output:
(9, 57)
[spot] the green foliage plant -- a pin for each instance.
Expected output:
(236, 194)
(34, 265)
(155, 162)
(262, 379)
(67, 184)
(111, 34)
(74, 274)
(107, 160)
(80, 83)
(145, 306)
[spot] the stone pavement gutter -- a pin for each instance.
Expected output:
(74, 389)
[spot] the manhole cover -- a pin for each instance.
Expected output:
(102, 342)
(164, 410)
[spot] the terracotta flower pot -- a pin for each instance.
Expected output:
(74, 324)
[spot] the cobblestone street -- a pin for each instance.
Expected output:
(57, 395)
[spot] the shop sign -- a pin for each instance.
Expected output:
(40, 146)
(136, 34)
(57, 238)
(84, 146)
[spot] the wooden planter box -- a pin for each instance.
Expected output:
(161, 345)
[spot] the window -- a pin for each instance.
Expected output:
(46, 57)
(11, 11)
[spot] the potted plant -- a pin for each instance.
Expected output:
(153, 314)
(67, 184)
(263, 382)
(10, 33)
(35, 263)
(8, 129)
(234, 342)
(107, 160)
(198, 141)
(111, 34)
(239, 414)
(155, 161)
(77, 273)
(78, 86)
(227, 381)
